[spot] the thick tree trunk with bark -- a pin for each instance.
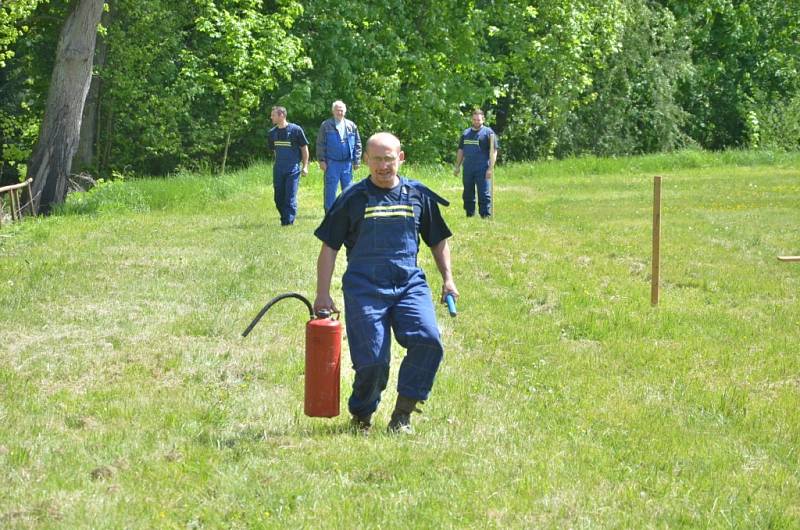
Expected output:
(86, 156)
(51, 161)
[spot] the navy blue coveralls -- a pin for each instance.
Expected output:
(476, 146)
(384, 288)
(286, 143)
(340, 154)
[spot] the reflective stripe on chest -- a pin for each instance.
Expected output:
(401, 208)
(395, 210)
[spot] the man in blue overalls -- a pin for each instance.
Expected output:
(380, 221)
(338, 151)
(477, 148)
(290, 145)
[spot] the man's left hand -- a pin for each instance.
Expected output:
(304, 171)
(489, 173)
(449, 287)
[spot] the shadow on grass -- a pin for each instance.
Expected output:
(241, 226)
(271, 221)
(280, 437)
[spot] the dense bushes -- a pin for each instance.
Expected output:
(182, 85)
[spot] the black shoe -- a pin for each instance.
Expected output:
(361, 423)
(401, 417)
(400, 423)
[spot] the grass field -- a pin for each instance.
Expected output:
(128, 398)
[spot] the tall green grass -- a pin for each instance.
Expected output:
(129, 399)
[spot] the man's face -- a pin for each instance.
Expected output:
(477, 121)
(339, 111)
(384, 160)
(275, 116)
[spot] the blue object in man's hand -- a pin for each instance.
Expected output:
(451, 304)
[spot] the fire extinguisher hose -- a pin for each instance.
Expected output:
(273, 302)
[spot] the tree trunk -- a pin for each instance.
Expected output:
(105, 155)
(225, 155)
(87, 146)
(51, 160)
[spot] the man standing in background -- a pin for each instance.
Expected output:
(290, 145)
(338, 151)
(477, 149)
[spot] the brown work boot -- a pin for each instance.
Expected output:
(401, 417)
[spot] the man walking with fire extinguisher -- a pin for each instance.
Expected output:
(380, 221)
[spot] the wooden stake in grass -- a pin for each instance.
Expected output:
(656, 240)
(14, 204)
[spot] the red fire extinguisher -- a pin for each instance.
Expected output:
(323, 355)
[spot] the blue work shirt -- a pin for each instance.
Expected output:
(331, 145)
(342, 223)
(286, 143)
(476, 146)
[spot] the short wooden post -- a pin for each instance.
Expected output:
(30, 197)
(656, 240)
(14, 206)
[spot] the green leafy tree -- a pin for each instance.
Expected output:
(13, 17)
(17, 126)
(632, 106)
(186, 80)
(240, 53)
(548, 51)
(402, 66)
(190, 84)
(745, 56)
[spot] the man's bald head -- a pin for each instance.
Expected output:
(383, 140)
(384, 157)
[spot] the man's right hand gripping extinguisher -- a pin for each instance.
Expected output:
(323, 358)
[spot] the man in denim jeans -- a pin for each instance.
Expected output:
(338, 151)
